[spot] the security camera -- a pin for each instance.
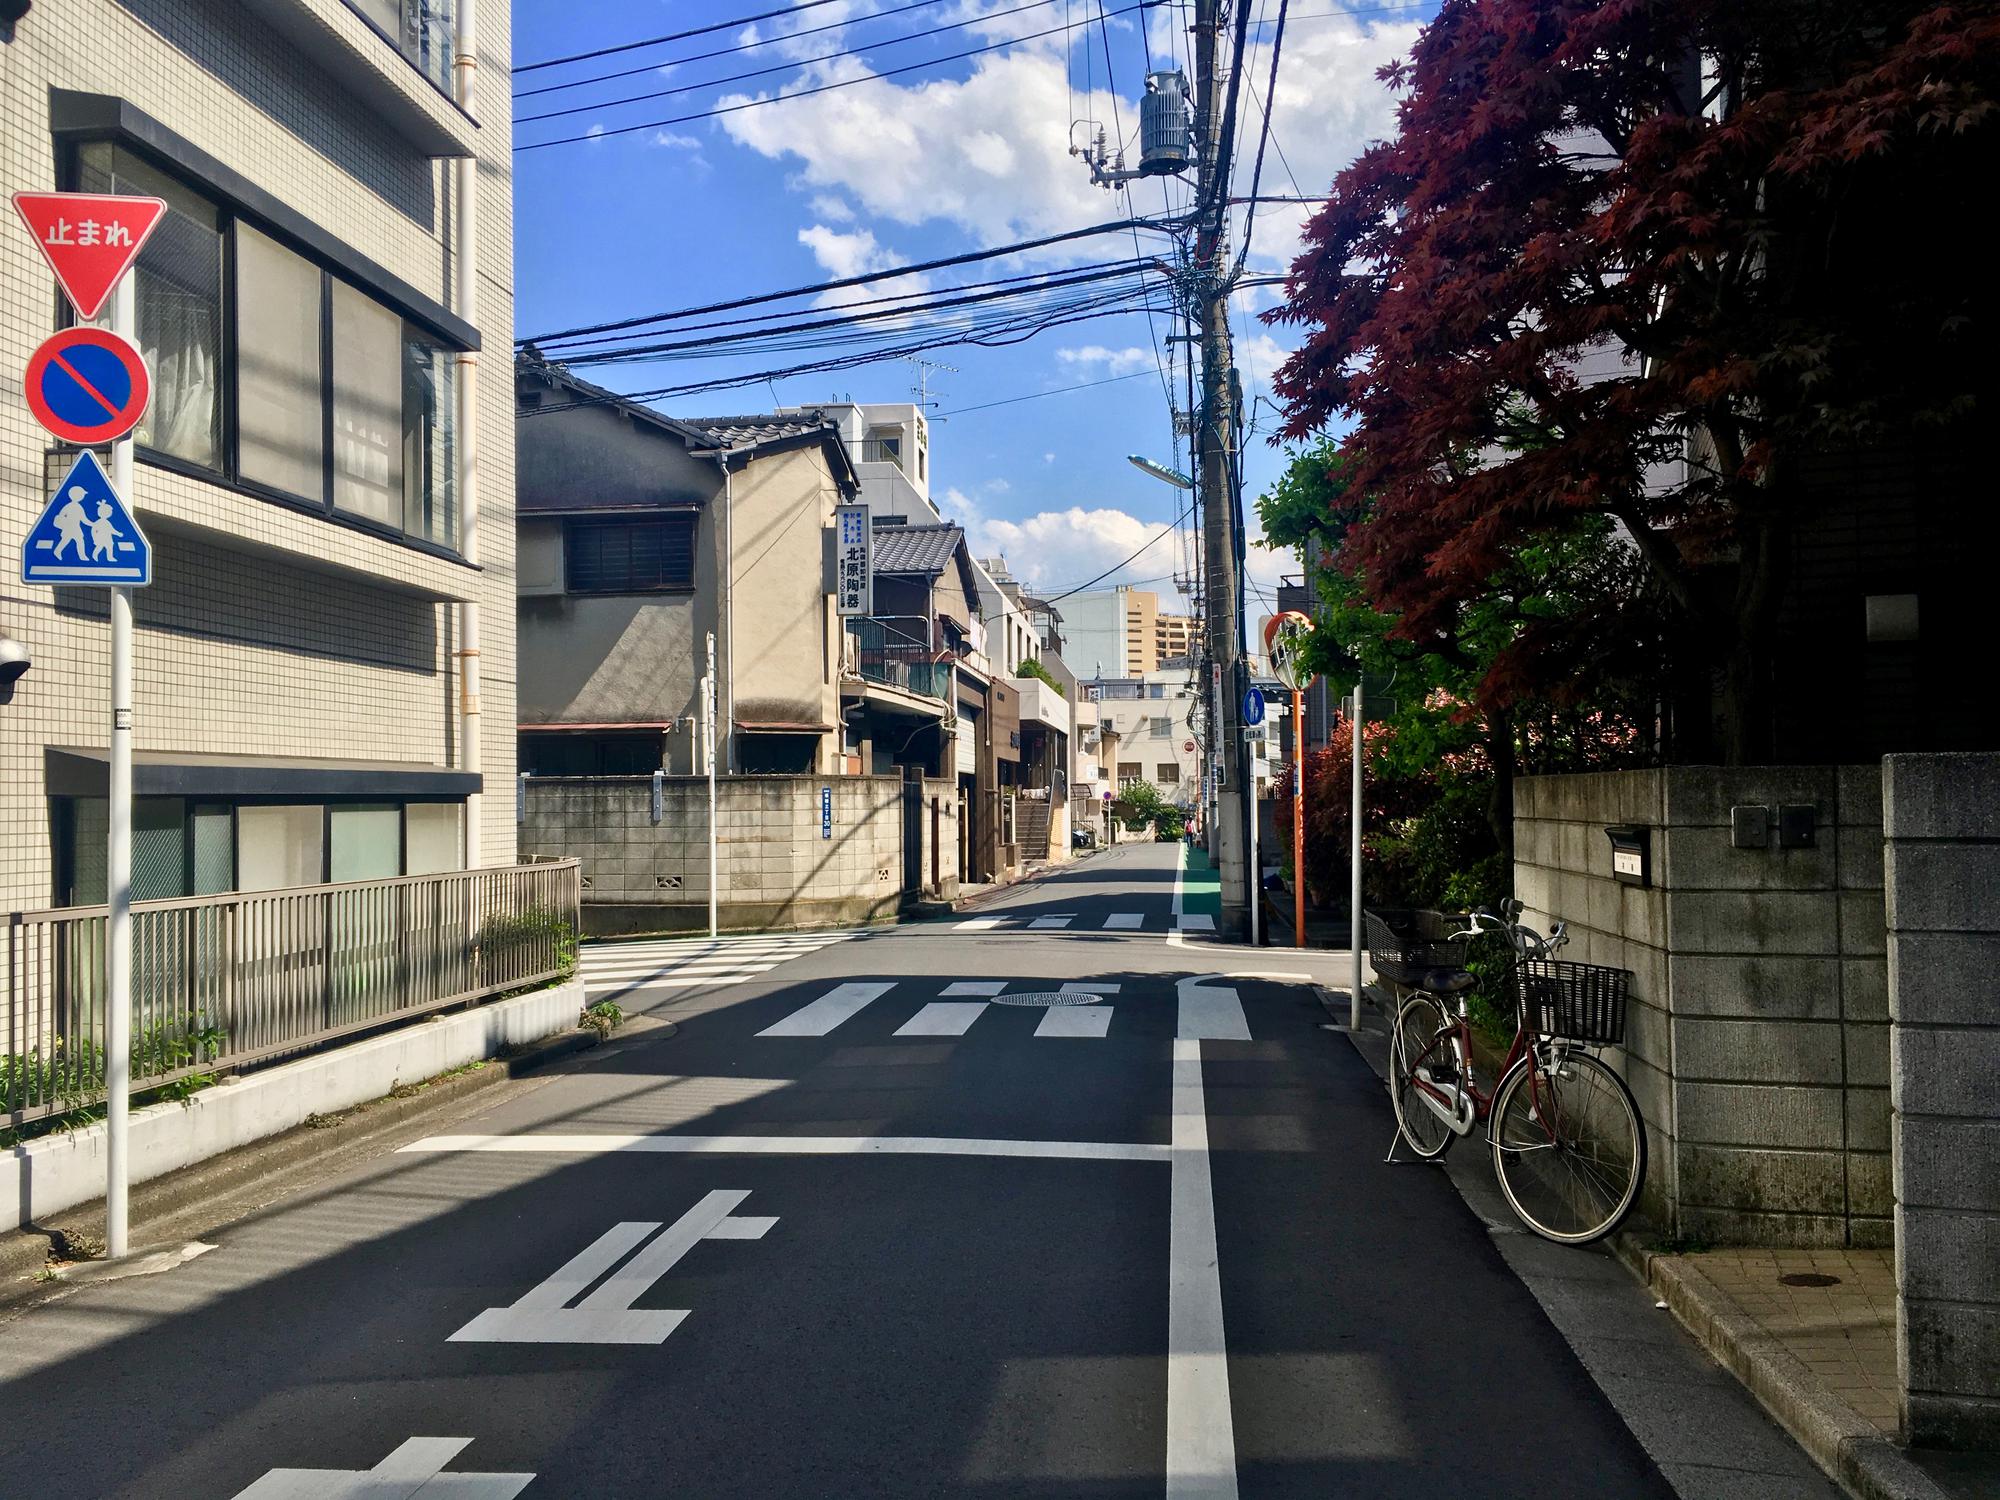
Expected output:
(14, 660)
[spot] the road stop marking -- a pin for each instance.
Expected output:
(417, 1466)
(606, 1316)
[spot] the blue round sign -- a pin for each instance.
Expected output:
(1253, 706)
(87, 385)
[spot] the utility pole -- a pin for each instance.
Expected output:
(1215, 428)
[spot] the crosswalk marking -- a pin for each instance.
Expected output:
(1124, 921)
(979, 924)
(1196, 921)
(1117, 921)
(1063, 921)
(1204, 1010)
(1210, 1013)
(1075, 1020)
(615, 968)
(943, 1018)
(827, 1012)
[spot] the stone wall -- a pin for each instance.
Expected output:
(774, 867)
(1943, 879)
(1757, 1038)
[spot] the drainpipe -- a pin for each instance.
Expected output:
(726, 580)
(465, 286)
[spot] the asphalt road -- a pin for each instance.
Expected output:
(878, 1220)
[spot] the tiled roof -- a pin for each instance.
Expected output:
(726, 432)
(916, 549)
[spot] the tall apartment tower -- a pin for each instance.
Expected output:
(311, 311)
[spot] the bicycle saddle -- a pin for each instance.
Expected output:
(1445, 981)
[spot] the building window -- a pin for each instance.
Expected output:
(651, 556)
(339, 402)
(883, 445)
(1130, 771)
(187, 848)
(1159, 729)
(1170, 773)
(422, 30)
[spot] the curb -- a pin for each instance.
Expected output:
(1846, 1445)
(209, 1187)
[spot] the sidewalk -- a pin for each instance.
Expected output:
(1812, 1334)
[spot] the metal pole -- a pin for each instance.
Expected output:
(728, 613)
(118, 860)
(1298, 818)
(708, 747)
(1354, 879)
(1256, 865)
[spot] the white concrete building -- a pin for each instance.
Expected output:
(891, 445)
(310, 308)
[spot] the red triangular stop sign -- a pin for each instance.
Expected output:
(89, 239)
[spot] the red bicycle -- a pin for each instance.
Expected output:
(1568, 1145)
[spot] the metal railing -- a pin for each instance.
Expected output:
(897, 657)
(223, 981)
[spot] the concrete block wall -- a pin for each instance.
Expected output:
(1942, 871)
(940, 836)
(1757, 1037)
(774, 868)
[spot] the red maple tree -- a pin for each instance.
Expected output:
(1638, 258)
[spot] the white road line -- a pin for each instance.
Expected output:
(1195, 921)
(974, 987)
(1174, 938)
(1075, 1020)
(1124, 921)
(704, 966)
(942, 1018)
(1201, 1435)
(827, 1012)
(788, 1145)
(1089, 987)
(979, 924)
(666, 982)
(1214, 1013)
(1062, 921)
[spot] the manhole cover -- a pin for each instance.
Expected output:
(1808, 1278)
(1047, 997)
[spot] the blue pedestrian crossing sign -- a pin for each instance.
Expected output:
(85, 534)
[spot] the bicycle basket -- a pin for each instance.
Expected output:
(1404, 942)
(1577, 1002)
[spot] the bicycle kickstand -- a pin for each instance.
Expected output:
(1395, 1138)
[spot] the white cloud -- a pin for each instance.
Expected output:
(676, 141)
(856, 252)
(1258, 355)
(1114, 361)
(1048, 458)
(1054, 550)
(828, 206)
(595, 133)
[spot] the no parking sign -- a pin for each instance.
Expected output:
(87, 386)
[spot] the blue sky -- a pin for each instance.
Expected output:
(891, 171)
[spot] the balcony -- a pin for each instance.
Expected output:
(888, 654)
(395, 56)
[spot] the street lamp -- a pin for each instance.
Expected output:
(1159, 471)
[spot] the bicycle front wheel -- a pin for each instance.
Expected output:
(1421, 1052)
(1568, 1147)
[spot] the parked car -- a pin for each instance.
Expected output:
(1083, 838)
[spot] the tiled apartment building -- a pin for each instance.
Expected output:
(302, 472)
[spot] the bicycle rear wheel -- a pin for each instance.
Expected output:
(1422, 1040)
(1568, 1147)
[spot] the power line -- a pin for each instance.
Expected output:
(596, 133)
(1061, 390)
(1153, 542)
(783, 67)
(940, 264)
(1263, 136)
(672, 36)
(750, 46)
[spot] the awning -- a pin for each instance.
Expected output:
(84, 771)
(780, 726)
